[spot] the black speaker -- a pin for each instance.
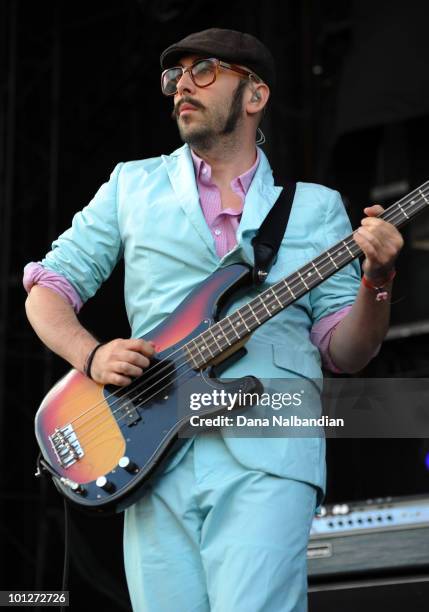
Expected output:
(395, 594)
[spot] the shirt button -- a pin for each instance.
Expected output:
(218, 232)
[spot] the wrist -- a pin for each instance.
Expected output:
(378, 282)
(90, 358)
(379, 285)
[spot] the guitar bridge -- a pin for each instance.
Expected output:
(66, 446)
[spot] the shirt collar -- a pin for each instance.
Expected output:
(203, 172)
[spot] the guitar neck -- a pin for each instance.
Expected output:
(242, 322)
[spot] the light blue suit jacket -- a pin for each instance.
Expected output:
(149, 212)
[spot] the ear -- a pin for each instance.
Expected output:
(257, 97)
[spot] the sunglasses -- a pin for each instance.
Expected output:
(203, 73)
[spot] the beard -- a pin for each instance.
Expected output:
(204, 137)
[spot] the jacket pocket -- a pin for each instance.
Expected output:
(298, 363)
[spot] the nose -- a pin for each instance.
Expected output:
(185, 84)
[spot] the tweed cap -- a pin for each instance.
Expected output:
(228, 45)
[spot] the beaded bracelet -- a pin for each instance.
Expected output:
(381, 293)
(89, 360)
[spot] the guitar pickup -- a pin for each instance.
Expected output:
(127, 413)
(66, 445)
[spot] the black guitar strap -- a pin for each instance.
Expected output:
(267, 241)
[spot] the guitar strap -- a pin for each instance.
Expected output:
(267, 241)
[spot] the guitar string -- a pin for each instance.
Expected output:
(267, 291)
(104, 424)
(296, 282)
(213, 345)
(100, 426)
(332, 253)
(183, 363)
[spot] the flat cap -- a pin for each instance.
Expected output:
(228, 45)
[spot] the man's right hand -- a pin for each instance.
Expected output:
(120, 361)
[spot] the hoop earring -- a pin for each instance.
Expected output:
(261, 137)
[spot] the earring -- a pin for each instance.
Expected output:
(261, 137)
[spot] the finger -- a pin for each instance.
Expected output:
(142, 346)
(135, 358)
(367, 243)
(116, 379)
(385, 232)
(378, 225)
(377, 256)
(127, 369)
(376, 222)
(388, 236)
(369, 236)
(373, 211)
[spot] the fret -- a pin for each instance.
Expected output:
(411, 204)
(317, 270)
(348, 248)
(403, 211)
(289, 289)
(330, 257)
(424, 197)
(265, 306)
(203, 347)
(196, 346)
(253, 312)
(339, 253)
(309, 274)
(303, 281)
(224, 334)
(418, 203)
(244, 322)
(275, 295)
(192, 358)
(233, 327)
(273, 308)
(215, 339)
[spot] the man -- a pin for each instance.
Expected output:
(226, 527)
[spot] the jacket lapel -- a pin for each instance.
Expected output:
(259, 199)
(181, 172)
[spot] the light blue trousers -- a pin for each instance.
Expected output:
(215, 536)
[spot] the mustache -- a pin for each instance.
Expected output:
(183, 101)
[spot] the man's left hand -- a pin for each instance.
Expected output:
(380, 242)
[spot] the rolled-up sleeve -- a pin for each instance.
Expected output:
(87, 252)
(36, 274)
(321, 334)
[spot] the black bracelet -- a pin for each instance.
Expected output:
(89, 360)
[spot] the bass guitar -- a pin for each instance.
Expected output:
(103, 445)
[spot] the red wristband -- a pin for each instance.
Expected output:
(370, 285)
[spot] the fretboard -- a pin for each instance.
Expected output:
(238, 325)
